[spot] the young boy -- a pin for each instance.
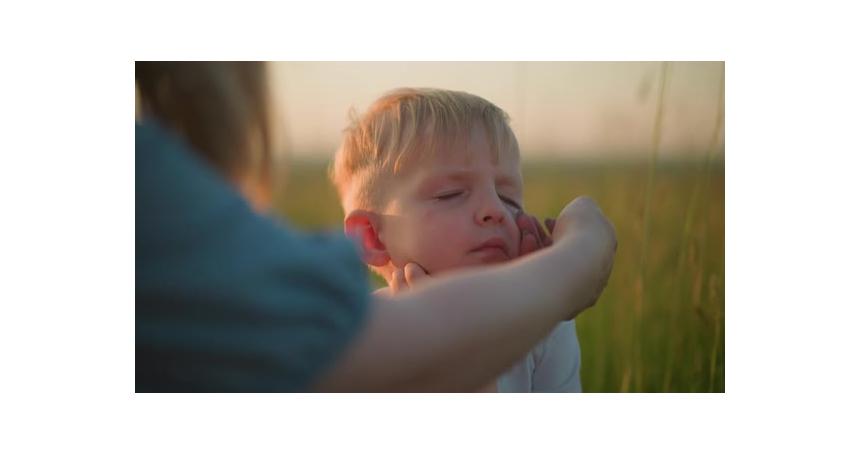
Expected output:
(432, 177)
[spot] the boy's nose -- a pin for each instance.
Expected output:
(492, 212)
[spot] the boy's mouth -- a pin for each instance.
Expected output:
(493, 250)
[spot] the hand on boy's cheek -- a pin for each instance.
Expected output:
(405, 278)
(532, 235)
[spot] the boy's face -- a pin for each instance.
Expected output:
(454, 209)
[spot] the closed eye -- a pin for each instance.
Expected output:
(447, 196)
(510, 202)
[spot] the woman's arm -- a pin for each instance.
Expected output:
(484, 319)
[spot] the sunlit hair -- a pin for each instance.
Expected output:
(220, 108)
(401, 128)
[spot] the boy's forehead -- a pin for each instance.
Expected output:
(450, 162)
(438, 158)
(451, 165)
(464, 151)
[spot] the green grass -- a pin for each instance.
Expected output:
(660, 324)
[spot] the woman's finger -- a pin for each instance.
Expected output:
(550, 224)
(413, 273)
(398, 281)
(533, 228)
(526, 224)
(543, 237)
(529, 244)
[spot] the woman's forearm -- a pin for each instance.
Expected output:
(457, 333)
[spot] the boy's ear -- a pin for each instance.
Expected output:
(363, 226)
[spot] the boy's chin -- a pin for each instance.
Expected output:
(489, 256)
(484, 258)
(470, 260)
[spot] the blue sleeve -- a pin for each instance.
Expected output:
(226, 299)
(557, 361)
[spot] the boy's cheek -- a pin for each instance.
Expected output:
(517, 236)
(517, 247)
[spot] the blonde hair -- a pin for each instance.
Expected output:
(403, 126)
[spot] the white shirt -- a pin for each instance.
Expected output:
(551, 366)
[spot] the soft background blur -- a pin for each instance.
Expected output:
(645, 139)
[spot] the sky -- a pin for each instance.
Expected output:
(558, 110)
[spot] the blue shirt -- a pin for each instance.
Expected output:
(226, 299)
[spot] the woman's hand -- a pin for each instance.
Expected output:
(582, 218)
(532, 235)
(403, 279)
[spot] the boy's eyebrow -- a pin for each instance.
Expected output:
(467, 175)
(506, 180)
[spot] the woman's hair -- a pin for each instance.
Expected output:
(220, 108)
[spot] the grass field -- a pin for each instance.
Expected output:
(660, 324)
